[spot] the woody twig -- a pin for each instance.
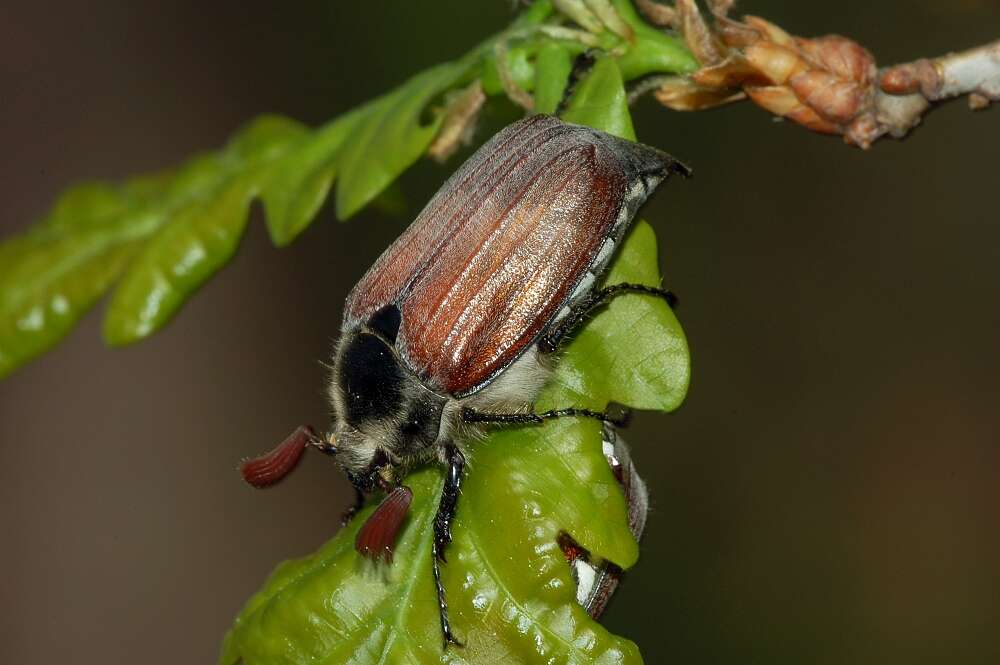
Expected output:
(828, 84)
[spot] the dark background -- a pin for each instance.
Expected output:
(828, 494)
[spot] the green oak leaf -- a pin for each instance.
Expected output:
(651, 366)
(654, 51)
(510, 590)
(389, 137)
(661, 383)
(199, 231)
(600, 100)
(301, 179)
(160, 237)
(553, 66)
(164, 233)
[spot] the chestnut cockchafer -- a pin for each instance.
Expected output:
(457, 323)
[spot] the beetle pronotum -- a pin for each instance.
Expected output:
(457, 322)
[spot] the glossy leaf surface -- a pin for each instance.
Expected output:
(552, 69)
(389, 137)
(161, 237)
(510, 589)
(662, 382)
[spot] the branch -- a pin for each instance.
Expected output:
(828, 84)
(975, 72)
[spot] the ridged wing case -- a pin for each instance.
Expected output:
(519, 232)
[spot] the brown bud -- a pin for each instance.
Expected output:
(734, 34)
(900, 80)
(733, 72)
(833, 98)
(662, 15)
(770, 31)
(777, 63)
(777, 99)
(825, 84)
(978, 101)
(810, 119)
(680, 94)
(697, 35)
(459, 121)
(720, 7)
(842, 57)
(918, 76)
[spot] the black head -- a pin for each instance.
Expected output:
(369, 378)
(382, 410)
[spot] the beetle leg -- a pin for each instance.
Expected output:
(474, 416)
(364, 483)
(352, 510)
(581, 65)
(586, 307)
(442, 531)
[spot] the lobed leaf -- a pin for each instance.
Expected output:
(199, 234)
(163, 236)
(552, 70)
(660, 378)
(519, 67)
(302, 177)
(389, 137)
(512, 595)
(600, 100)
(510, 589)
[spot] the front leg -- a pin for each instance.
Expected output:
(442, 531)
(352, 510)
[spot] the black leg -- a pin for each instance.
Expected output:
(581, 65)
(582, 310)
(365, 482)
(473, 416)
(442, 532)
(352, 510)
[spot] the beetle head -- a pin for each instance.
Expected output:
(384, 416)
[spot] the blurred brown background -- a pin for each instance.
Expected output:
(828, 494)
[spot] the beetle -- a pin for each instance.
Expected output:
(457, 324)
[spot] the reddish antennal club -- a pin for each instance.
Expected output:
(272, 466)
(377, 537)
